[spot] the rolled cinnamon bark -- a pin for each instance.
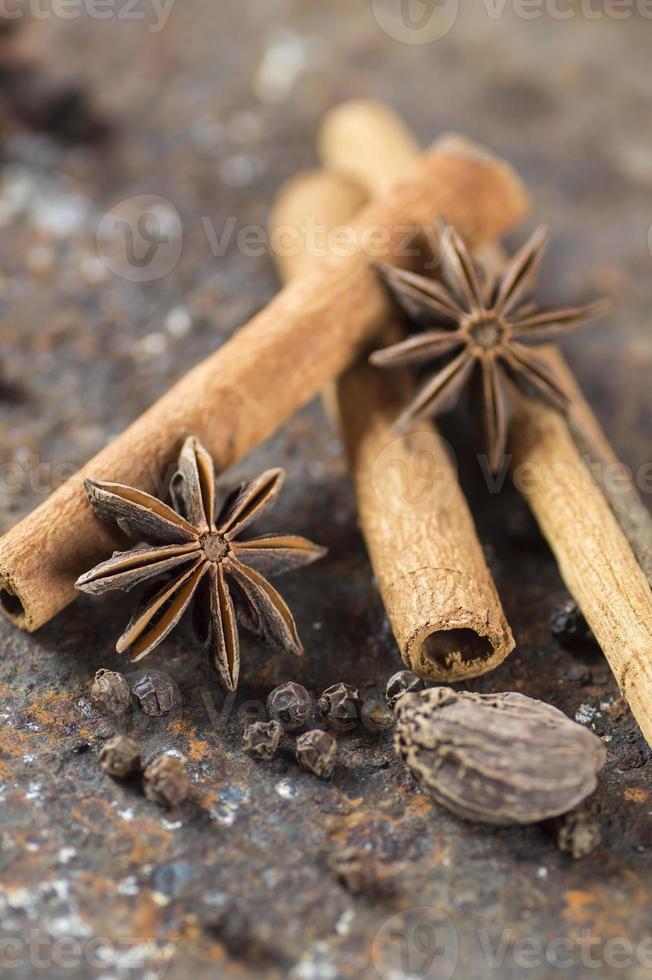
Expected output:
(236, 398)
(608, 472)
(437, 590)
(602, 545)
(594, 556)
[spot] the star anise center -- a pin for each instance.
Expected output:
(216, 547)
(485, 330)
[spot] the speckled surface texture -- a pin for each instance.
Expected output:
(212, 112)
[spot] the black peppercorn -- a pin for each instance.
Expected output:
(578, 834)
(340, 706)
(261, 739)
(568, 625)
(316, 750)
(110, 692)
(166, 780)
(289, 705)
(402, 682)
(120, 756)
(154, 694)
(355, 870)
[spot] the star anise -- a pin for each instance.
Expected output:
(485, 321)
(195, 544)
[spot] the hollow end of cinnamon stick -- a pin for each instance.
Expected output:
(447, 654)
(13, 605)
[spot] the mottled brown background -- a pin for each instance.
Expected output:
(213, 112)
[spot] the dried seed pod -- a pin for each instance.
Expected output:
(110, 692)
(166, 780)
(340, 706)
(261, 739)
(154, 694)
(316, 750)
(578, 834)
(120, 756)
(498, 758)
(290, 705)
(402, 682)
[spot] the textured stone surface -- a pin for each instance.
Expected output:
(212, 113)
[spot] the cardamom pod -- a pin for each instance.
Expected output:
(496, 758)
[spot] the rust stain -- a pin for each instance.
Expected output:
(197, 749)
(598, 910)
(92, 812)
(578, 909)
(419, 805)
(54, 711)
(636, 794)
(13, 745)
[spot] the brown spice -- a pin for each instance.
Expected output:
(154, 695)
(110, 692)
(578, 834)
(261, 739)
(483, 321)
(120, 756)
(166, 780)
(340, 706)
(400, 683)
(290, 704)
(496, 758)
(195, 544)
(316, 751)
(355, 869)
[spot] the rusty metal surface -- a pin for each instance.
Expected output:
(212, 112)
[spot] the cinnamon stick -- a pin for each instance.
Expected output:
(236, 398)
(606, 469)
(594, 556)
(605, 569)
(437, 590)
